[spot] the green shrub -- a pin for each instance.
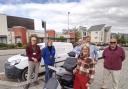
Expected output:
(3, 45)
(19, 44)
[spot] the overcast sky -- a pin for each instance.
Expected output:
(82, 12)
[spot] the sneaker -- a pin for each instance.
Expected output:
(27, 86)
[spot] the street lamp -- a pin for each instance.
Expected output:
(68, 20)
(68, 24)
(45, 31)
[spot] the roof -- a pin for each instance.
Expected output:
(96, 27)
(82, 28)
(3, 36)
(107, 28)
(20, 21)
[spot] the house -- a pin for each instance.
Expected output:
(68, 36)
(100, 33)
(107, 34)
(83, 31)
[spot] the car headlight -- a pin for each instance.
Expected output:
(14, 62)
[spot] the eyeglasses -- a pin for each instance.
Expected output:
(113, 42)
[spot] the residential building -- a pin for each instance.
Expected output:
(114, 35)
(15, 30)
(119, 35)
(51, 33)
(69, 36)
(39, 33)
(83, 31)
(100, 33)
(107, 34)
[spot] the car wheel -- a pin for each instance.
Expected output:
(25, 74)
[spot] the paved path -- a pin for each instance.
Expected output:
(11, 52)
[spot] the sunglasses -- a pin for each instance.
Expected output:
(113, 42)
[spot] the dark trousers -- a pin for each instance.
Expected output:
(48, 72)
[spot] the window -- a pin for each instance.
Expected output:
(84, 33)
(18, 40)
(101, 36)
(96, 32)
(3, 40)
(96, 37)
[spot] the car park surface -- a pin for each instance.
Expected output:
(96, 85)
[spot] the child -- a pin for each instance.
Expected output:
(84, 71)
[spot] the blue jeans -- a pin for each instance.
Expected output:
(48, 72)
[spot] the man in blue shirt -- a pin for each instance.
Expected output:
(87, 42)
(77, 49)
(48, 54)
(93, 48)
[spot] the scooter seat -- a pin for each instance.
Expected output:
(67, 80)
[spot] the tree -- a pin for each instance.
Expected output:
(118, 39)
(77, 35)
(123, 41)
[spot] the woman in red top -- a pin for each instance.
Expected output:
(84, 71)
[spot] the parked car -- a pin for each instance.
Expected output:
(100, 50)
(16, 66)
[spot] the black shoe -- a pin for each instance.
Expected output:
(27, 86)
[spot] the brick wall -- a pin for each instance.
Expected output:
(20, 32)
(72, 34)
(51, 33)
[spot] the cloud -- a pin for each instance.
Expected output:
(82, 12)
(36, 1)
